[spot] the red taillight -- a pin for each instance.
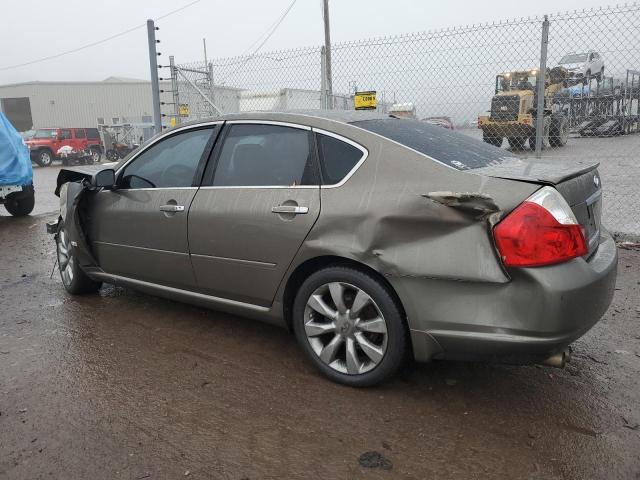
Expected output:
(533, 236)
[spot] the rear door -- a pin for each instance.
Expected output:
(65, 138)
(79, 139)
(259, 199)
(139, 230)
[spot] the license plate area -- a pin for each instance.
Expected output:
(594, 210)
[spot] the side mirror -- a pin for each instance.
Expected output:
(104, 178)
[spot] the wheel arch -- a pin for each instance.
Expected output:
(312, 265)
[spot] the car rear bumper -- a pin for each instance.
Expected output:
(540, 311)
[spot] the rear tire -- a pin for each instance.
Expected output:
(20, 204)
(360, 339)
(74, 279)
(495, 141)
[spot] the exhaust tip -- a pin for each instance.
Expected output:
(559, 359)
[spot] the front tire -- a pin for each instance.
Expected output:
(74, 279)
(350, 326)
(45, 158)
(495, 141)
(559, 132)
(20, 204)
(517, 143)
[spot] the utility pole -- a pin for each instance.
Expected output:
(327, 52)
(155, 85)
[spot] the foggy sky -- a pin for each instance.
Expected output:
(32, 29)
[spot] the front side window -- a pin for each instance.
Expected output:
(265, 155)
(93, 134)
(337, 158)
(45, 133)
(170, 163)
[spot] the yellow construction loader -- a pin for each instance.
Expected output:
(513, 110)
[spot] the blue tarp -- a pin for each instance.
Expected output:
(15, 161)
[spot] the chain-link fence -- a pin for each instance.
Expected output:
(580, 69)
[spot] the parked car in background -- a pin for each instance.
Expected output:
(444, 122)
(27, 135)
(583, 65)
(371, 237)
(46, 142)
(16, 177)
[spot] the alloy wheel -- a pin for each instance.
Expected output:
(45, 159)
(345, 328)
(65, 257)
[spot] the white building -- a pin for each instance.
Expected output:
(115, 100)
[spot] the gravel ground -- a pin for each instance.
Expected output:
(122, 385)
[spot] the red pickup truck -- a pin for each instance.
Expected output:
(46, 142)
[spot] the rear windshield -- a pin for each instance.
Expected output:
(456, 150)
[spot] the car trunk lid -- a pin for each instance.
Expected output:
(578, 182)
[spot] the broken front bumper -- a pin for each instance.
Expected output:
(540, 310)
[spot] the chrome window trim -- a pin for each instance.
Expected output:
(365, 155)
(255, 187)
(168, 134)
(269, 122)
(150, 189)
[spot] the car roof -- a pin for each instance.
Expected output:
(304, 117)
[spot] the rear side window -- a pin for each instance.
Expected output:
(80, 133)
(462, 152)
(337, 158)
(65, 135)
(92, 133)
(265, 155)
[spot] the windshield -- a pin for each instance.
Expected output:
(456, 150)
(574, 58)
(516, 81)
(45, 133)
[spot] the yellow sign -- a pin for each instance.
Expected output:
(183, 110)
(365, 100)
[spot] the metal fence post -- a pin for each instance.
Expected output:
(155, 84)
(540, 86)
(212, 86)
(323, 79)
(174, 89)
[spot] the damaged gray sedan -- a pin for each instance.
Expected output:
(371, 238)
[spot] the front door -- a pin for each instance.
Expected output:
(253, 212)
(139, 229)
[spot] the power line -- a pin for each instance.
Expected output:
(270, 31)
(269, 34)
(98, 42)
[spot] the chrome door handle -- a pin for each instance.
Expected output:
(295, 209)
(172, 208)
